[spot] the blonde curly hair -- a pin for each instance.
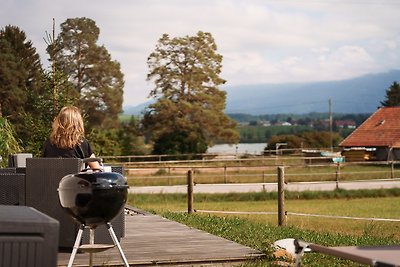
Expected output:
(67, 128)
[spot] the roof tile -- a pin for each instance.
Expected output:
(381, 129)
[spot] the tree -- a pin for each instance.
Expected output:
(320, 139)
(125, 140)
(190, 106)
(392, 96)
(131, 139)
(21, 83)
(96, 77)
(291, 141)
(20, 73)
(314, 139)
(8, 143)
(40, 120)
(105, 141)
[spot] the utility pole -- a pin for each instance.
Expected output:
(330, 124)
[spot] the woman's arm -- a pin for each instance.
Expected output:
(94, 164)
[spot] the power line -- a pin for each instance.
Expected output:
(322, 103)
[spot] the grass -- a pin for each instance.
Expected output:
(262, 196)
(260, 231)
(387, 207)
(261, 236)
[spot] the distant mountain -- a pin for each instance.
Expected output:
(136, 110)
(358, 95)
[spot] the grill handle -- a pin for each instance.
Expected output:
(96, 186)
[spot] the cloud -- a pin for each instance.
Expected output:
(262, 41)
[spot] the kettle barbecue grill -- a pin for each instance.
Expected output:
(93, 198)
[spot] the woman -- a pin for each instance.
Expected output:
(67, 139)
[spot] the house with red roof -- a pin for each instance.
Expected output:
(377, 138)
(345, 124)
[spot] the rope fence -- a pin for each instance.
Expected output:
(343, 217)
(298, 214)
(282, 214)
(238, 212)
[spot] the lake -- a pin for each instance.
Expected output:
(254, 148)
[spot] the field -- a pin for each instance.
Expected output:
(386, 207)
(251, 171)
(251, 218)
(260, 231)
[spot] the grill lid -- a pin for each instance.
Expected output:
(93, 198)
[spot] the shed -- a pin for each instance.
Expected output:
(378, 136)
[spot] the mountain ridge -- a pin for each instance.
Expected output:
(357, 95)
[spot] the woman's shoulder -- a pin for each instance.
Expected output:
(85, 143)
(47, 143)
(85, 146)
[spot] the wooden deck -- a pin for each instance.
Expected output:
(152, 240)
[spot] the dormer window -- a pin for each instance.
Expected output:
(380, 123)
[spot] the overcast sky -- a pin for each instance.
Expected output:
(261, 41)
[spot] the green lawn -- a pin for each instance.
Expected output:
(260, 231)
(388, 207)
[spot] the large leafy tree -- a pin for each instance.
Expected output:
(188, 114)
(96, 77)
(392, 96)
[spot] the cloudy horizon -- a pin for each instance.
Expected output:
(261, 41)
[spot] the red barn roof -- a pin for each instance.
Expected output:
(381, 129)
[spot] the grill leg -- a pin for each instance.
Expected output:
(91, 241)
(76, 245)
(114, 238)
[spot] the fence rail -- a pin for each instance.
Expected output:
(287, 213)
(257, 170)
(204, 156)
(282, 213)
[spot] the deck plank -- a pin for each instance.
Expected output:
(151, 239)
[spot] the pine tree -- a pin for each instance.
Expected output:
(392, 96)
(21, 83)
(96, 77)
(20, 73)
(189, 112)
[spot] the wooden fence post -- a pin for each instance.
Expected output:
(392, 170)
(281, 196)
(337, 175)
(190, 191)
(225, 175)
(169, 175)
